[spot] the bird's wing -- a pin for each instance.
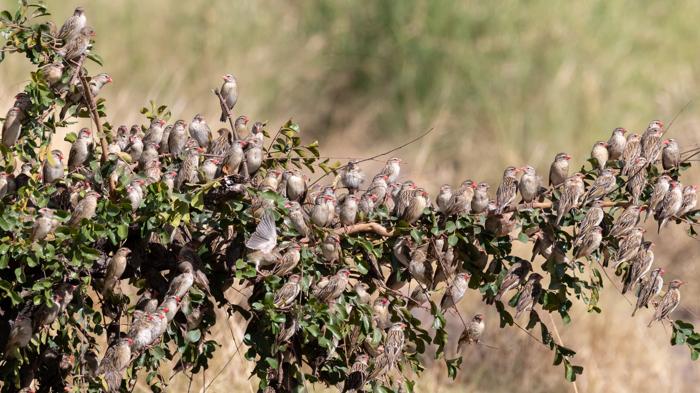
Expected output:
(265, 236)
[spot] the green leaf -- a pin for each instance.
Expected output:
(194, 336)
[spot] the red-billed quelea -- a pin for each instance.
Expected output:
(286, 295)
(134, 197)
(348, 210)
(633, 149)
(651, 141)
(599, 154)
(72, 26)
(155, 131)
(670, 205)
(455, 292)
(649, 288)
(530, 294)
(164, 145)
(21, 332)
(335, 287)
(361, 290)
(637, 180)
(392, 169)
(254, 156)
(628, 246)
(416, 205)
(589, 243)
(380, 313)
(514, 276)
(229, 92)
(78, 45)
(403, 197)
(234, 157)
(671, 154)
(570, 195)
(473, 332)
(115, 269)
(379, 187)
(559, 170)
(358, 375)
(352, 177)
(297, 217)
(135, 149)
(594, 216)
(480, 202)
(330, 249)
(322, 213)
(189, 168)
(52, 73)
(181, 284)
(442, 200)
(690, 200)
(12, 127)
(77, 97)
(85, 209)
(44, 225)
(394, 342)
(506, 192)
(663, 183)
(296, 185)
(669, 302)
(199, 130)
(209, 170)
(177, 138)
(616, 143)
(420, 268)
(115, 361)
(150, 153)
(290, 259)
(53, 167)
(627, 220)
(604, 184)
(639, 266)
(461, 201)
(529, 185)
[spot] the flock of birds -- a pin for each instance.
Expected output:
(183, 155)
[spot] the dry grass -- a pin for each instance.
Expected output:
(499, 82)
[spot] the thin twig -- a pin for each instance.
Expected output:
(561, 342)
(227, 112)
(95, 117)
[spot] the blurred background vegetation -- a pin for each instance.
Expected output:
(502, 82)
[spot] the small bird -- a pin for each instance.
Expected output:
(115, 361)
(649, 289)
(603, 185)
(419, 297)
(480, 202)
(633, 149)
(669, 302)
(134, 196)
(290, 259)
(639, 266)
(229, 92)
(530, 294)
(559, 170)
(627, 220)
(394, 342)
(473, 332)
(505, 194)
(12, 127)
(190, 166)
(600, 154)
(361, 290)
(53, 167)
(234, 157)
(150, 153)
(416, 205)
(177, 138)
(352, 177)
(72, 26)
(220, 145)
(265, 236)
(44, 225)
(78, 45)
(286, 295)
(52, 73)
(164, 146)
(21, 332)
(382, 365)
(296, 185)
(455, 292)
(153, 171)
(335, 287)
(403, 197)
(358, 375)
(85, 209)
(651, 141)
(297, 218)
(443, 198)
(461, 200)
(589, 243)
(209, 170)
(663, 183)
(330, 249)
(529, 185)
(254, 156)
(115, 269)
(690, 200)
(77, 96)
(671, 154)
(670, 205)
(420, 268)
(514, 276)
(378, 188)
(348, 210)
(628, 246)
(155, 132)
(569, 199)
(392, 169)
(181, 284)
(616, 143)
(594, 216)
(135, 149)
(169, 180)
(322, 212)
(637, 180)
(380, 313)
(200, 131)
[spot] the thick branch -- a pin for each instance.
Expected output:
(365, 227)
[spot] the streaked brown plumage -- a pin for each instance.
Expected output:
(663, 183)
(286, 295)
(115, 269)
(514, 276)
(669, 302)
(473, 332)
(616, 143)
(604, 184)
(599, 154)
(530, 294)
(627, 220)
(505, 194)
(480, 202)
(628, 246)
(570, 195)
(559, 170)
(85, 209)
(670, 204)
(529, 185)
(229, 92)
(357, 376)
(637, 180)
(335, 287)
(590, 242)
(455, 292)
(651, 141)
(649, 288)
(671, 154)
(633, 149)
(690, 200)
(639, 266)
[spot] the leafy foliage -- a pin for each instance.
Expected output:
(314, 340)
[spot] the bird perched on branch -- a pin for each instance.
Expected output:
(229, 92)
(649, 289)
(72, 26)
(559, 170)
(616, 143)
(669, 302)
(505, 194)
(473, 332)
(671, 154)
(600, 154)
